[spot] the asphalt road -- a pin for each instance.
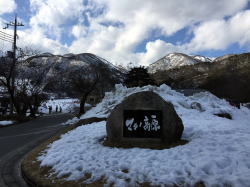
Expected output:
(18, 140)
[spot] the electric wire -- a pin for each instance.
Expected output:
(7, 40)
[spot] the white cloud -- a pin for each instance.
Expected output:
(7, 6)
(219, 34)
(55, 12)
(79, 31)
(36, 39)
(140, 17)
(157, 49)
(50, 15)
(137, 19)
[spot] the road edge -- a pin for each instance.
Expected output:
(25, 173)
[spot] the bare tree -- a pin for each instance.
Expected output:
(7, 78)
(11, 76)
(83, 80)
(30, 85)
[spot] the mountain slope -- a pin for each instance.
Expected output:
(227, 77)
(175, 60)
(59, 65)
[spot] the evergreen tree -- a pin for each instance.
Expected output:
(138, 76)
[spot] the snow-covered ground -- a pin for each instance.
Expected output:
(218, 152)
(6, 123)
(67, 105)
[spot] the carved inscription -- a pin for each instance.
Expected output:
(142, 123)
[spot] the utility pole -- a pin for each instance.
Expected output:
(15, 24)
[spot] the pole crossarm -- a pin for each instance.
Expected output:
(7, 37)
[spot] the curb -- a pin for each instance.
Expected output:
(26, 178)
(26, 175)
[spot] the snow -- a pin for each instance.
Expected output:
(218, 151)
(170, 61)
(67, 105)
(5, 123)
(202, 58)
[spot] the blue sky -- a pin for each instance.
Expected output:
(138, 31)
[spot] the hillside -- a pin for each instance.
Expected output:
(175, 60)
(227, 76)
(59, 65)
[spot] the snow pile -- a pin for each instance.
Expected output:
(67, 105)
(5, 123)
(217, 154)
(209, 102)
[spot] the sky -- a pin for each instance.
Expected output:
(130, 31)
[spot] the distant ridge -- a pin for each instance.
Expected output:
(175, 60)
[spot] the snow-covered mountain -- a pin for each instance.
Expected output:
(63, 62)
(202, 58)
(70, 59)
(174, 60)
(227, 76)
(58, 65)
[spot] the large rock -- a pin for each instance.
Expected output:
(144, 118)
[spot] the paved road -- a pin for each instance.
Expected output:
(18, 140)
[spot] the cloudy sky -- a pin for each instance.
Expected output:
(137, 31)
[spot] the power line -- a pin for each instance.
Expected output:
(6, 40)
(4, 36)
(4, 33)
(15, 24)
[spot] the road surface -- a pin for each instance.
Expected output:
(18, 140)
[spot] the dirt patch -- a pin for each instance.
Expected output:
(88, 121)
(224, 115)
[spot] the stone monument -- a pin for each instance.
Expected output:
(144, 118)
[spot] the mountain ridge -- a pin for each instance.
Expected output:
(175, 60)
(227, 76)
(59, 65)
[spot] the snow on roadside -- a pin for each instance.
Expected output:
(5, 123)
(67, 105)
(218, 152)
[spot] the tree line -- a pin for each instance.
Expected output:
(27, 81)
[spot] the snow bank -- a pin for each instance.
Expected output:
(217, 154)
(5, 123)
(210, 103)
(67, 105)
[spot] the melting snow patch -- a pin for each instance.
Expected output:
(5, 123)
(67, 105)
(218, 152)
